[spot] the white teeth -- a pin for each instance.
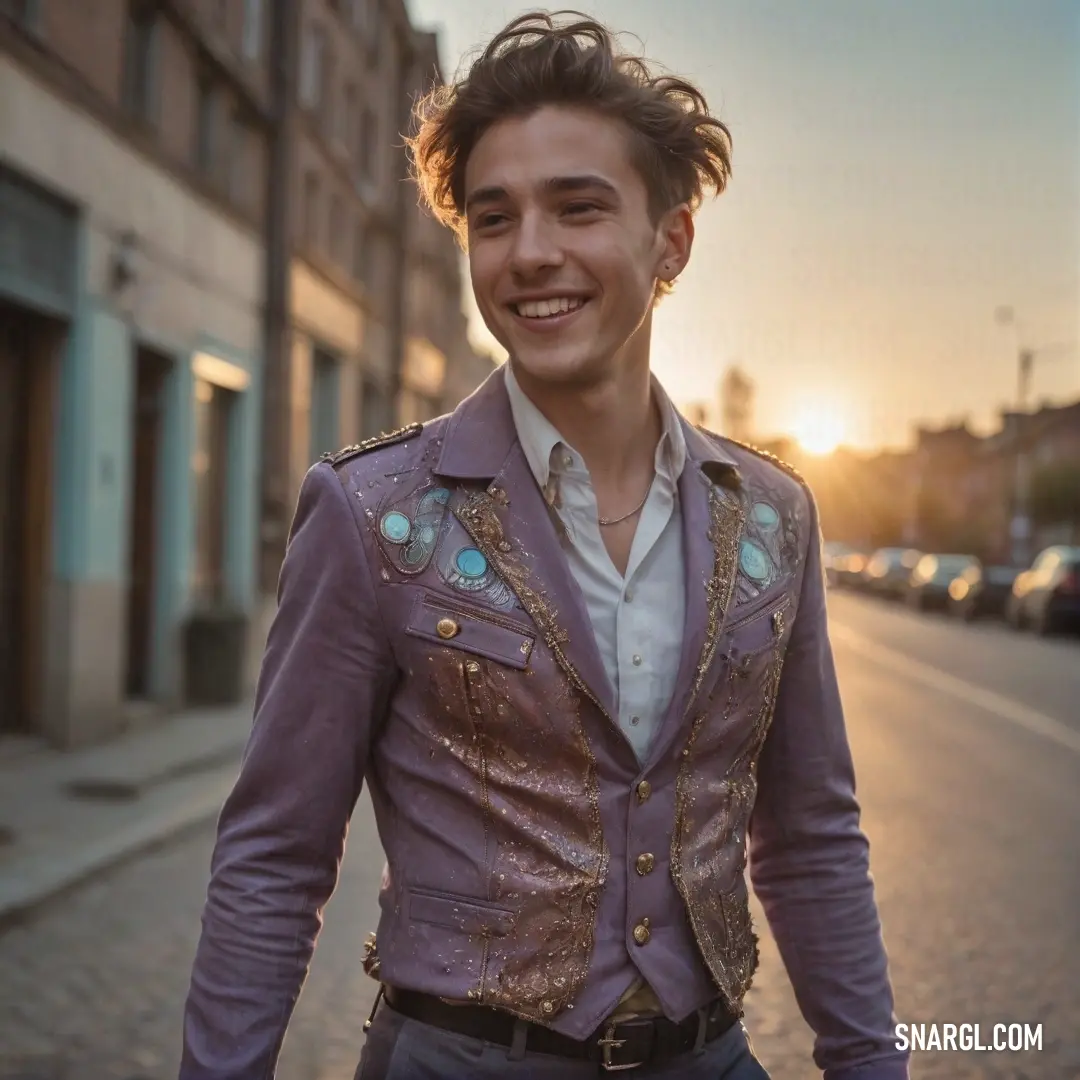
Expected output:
(540, 309)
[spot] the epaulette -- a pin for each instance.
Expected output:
(387, 438)
(783, 466)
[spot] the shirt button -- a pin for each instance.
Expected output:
(635, 720)
(642, 933)
(568, 460)
(644, 790)
(645, 863)
(637, 660)
(628, 596)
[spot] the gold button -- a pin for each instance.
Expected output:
(644, 790)
(472, 667)
(645, 863)
(547, 1007)
(447, 628)
(642, 933)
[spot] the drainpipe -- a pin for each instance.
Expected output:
(276, 405)
(404, 197)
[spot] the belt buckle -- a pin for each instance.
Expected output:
(609, 1043)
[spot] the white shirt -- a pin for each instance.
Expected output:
(637, 617)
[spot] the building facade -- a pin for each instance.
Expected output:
(132, 157)
(372, 334)
(441, 366)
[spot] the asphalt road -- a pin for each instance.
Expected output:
(970, 783)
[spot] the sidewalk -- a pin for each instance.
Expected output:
(66, 816)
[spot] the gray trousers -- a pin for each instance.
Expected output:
(398, 1048)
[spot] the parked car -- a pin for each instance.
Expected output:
(1046, 597)
(850, 570)
(928, 586)
(835, 556)
(887, 572)
(981, 591)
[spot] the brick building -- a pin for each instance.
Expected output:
(132, 150)
(436, 327)
(373, 333)
(210, 273)
(1025, 448)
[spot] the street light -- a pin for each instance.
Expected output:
(1020, 528)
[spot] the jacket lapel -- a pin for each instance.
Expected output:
(501, 507)
(713, 517)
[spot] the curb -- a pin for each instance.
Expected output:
(32, 882)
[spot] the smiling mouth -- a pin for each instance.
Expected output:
(548, 309)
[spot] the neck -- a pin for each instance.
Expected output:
(614, 424)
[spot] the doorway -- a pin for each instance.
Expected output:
(28, 348)
(147, 432)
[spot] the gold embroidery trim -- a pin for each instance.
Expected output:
(479, 516)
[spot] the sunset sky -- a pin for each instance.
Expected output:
(901, 169)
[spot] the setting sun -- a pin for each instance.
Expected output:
(820, 429)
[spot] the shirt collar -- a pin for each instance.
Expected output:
(540, 439)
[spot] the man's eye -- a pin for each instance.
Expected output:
(580, 207)
(486, 221)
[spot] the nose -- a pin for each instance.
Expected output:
(536, 247)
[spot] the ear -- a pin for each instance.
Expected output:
(676, 234)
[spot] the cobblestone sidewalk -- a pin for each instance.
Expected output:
(66, 816)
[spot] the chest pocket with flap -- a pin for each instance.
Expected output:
(444, 621)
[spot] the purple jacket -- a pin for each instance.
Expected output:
(430, 639)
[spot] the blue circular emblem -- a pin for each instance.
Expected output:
(765, 516)
(753, 561)
(471, 563)
(395, 526)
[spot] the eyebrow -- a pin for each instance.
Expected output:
(555, 185)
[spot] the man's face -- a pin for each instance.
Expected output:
(563, 255)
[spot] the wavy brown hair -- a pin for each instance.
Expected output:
(566, 58)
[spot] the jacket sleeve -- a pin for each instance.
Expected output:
(326, 678)
(809, 859)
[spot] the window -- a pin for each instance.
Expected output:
(312, 60)
(367, 143)
(140, 61)
(324, 404)
(346, 116)
(373, 33)
(337, 230)
(375, 412)
(208, 141)
(241, 149)
(252, 42)
(311, 210)
(329, 106)
(213, 419)
(361, 260)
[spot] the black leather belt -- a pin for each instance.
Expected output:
(616, 1047)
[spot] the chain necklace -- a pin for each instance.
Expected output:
(616, 521)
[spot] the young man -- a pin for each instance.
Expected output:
(577, 648)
